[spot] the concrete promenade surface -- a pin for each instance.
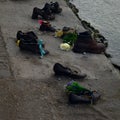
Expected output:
(28, 88)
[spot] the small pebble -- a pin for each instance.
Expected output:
(84, 53)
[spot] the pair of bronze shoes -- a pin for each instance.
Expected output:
(86, 43)
(47, 12)
(61, 70)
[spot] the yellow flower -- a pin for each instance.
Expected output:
(65, 46)
(18, 42)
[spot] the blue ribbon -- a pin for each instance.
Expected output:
(40, 42)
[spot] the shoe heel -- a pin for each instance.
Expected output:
(35, 14)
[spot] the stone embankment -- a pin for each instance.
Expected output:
(89, 27)
(28, 88)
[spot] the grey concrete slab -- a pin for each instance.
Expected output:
(4, 60)
(34, 92)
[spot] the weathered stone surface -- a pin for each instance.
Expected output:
(4, 62)
(34, 93)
